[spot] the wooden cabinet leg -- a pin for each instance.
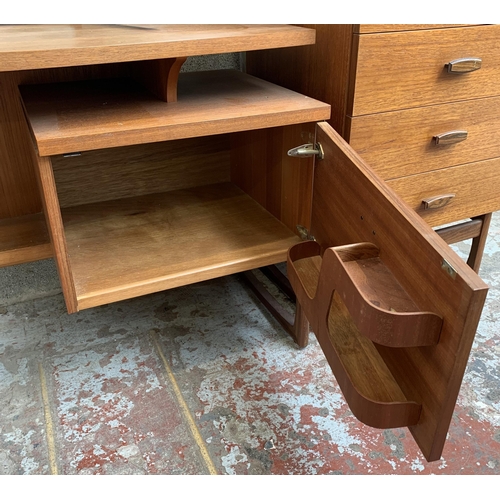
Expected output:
(297, 327)
(477, 229)
(478, 243)
(301, 327)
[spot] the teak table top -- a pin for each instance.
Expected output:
(45, 46)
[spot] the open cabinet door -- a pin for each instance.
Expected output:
(395, 310)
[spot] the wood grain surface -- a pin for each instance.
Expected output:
(460, 231)
(81, 116)
(407, 69)
(24, 239)
(380, 28)
(401, 143)
(18, 187)
(128, 171)
(261, 167)
(352, 204)
(320, 71)
(44, 46)
(18, 184)
(379, 306)
(159, 76)
(124, 248)
(52, 211)
(475, 185)
(371, 391)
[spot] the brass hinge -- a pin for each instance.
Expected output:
(304, 233)
(307, 150)
(448, 268)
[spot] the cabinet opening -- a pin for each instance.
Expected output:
(144, 218)
(169, 193)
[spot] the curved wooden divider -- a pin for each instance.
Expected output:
(379, 306)
(159, 76)
(369, 387)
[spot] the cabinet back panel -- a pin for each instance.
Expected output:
(129, 171)
(18, 188)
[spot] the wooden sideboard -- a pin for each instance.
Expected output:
(397, 100)
(137, 178)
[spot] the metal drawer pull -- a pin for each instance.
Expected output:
(437, 201)
(464, 65)
(451, 137)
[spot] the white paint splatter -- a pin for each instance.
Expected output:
(28, 464)
(128, 451)
(232, 459)
(417, 465)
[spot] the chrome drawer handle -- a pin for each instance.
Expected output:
(437, 201)
(451, 137)
(464, 65)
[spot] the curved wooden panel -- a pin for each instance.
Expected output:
(378, 305)
(371, 391)
(352, 204)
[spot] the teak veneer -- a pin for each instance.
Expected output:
(24, 239)
(123, 248)
(116, 249)
(37, 54)
(393, 384)
(369, 387)
(101, 114)
(47, 46)
(378, 305)
(150, 179)
(392, 93)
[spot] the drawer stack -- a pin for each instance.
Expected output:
(432, 133)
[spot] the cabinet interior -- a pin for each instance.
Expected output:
(144, 218)
(155, 214)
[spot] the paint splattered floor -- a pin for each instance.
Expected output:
(200, 380)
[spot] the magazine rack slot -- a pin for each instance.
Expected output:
(336, 292)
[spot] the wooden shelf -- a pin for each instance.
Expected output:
(48, 46)
(80, 116)
(125, 248)
(24, 239)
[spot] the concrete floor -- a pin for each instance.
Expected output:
(202, 380)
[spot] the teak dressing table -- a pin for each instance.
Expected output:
(137, 178)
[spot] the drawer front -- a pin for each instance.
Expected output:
(402, 143)
(407, 69)
(475, 186)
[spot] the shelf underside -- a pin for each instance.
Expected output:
(125, 248)
(81, 116)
